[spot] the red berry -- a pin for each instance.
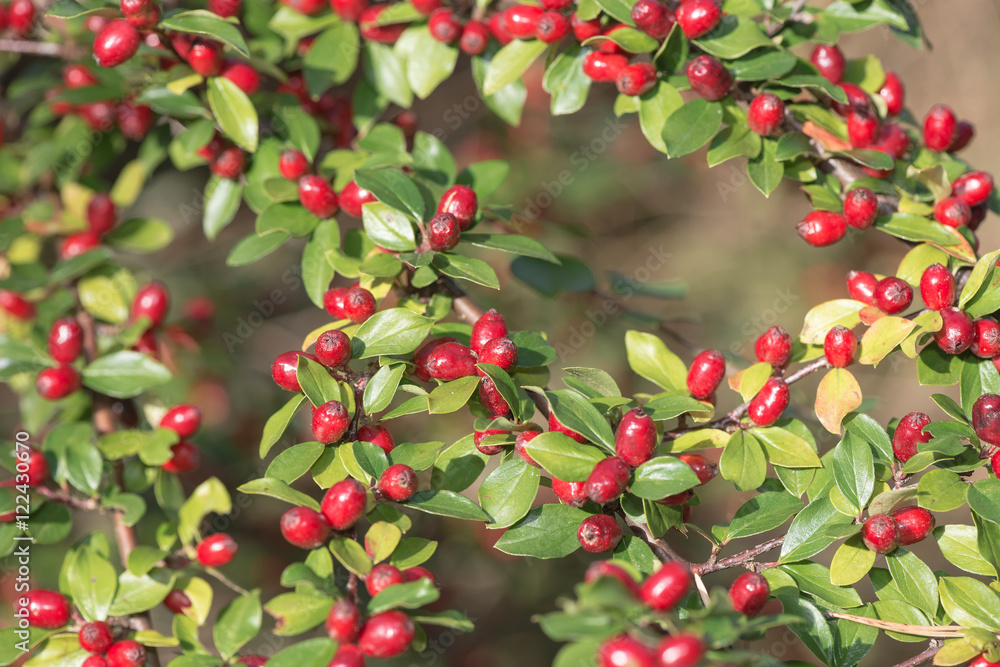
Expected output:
(490, 450)
(584, 30)
(570, 493)
(216, 550)
(913, 524)
(985, 339)
(126, 653)
(774, 346)
(205, 57)
(939, 127)
(663, 589)
(698, 17)
(177, 601)
(254, 661)
(623, 651)
(349, 10)
(142, 14)
(443, 232)
(937, 287)
(860, 208)
(681, 650)
(377, 435)
(343, 623)
(857, 100)
(861, 286)
(609, 45)
(450, 361)
(862, 129)
(386, 635)
(398, 482)
(426, 7)
(708, 76)
(607, 481)
(444, 25)
(101, 213)
(706, 373)
(225, 8)
(344, 503)
(38, 468)
(304, 6)
(461, 202)
(974, 188)
(676, 499)
(333, 301)
(65, 340)
(244, 75)
(964, 132)
(957, 332)
(521, 21)
(77, 244)
(653, 18)
(184, 419)
(636, 79)
(952, 212)
(604, 67)
(829, 60)
(500, 352)
(492, 399)
(421, 356)
(491, 325)
(607, 568)
(134, 121)
(185, 457)
(95, 637)
(359, 304)
(909, 434)
(986, 418)
(893, 139)
(475, 38)
(333, 348)
(556, 4)
(892, 295)
(749, 593)
(152, 301)
(766, 114)
(552, 27)
(769, 403)
(840, 347)
(368, 22)
(558, 427)
(498, 28)
(981, 661)
(822, 228)
(59, 382)
(348, 655)
(21, 16)
(316, 195)
(381, 577)
(635, 438)
(305, 528)
(705, 469)
(330, 422)
(522, 439)
(352, 198)
(880, 534)
(47, 610)
(892, 92)
(599, 533)
(17, 306)
(284, 370)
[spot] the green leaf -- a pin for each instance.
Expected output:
(970, 603)
(254, 247)
(574, 411)
(733, 37)
(785, 448)
(985, 268)
(872, 432)
(505, 385)
(661, 477)
(486, 178)
(736, 141)
(941, 491)
(93, 583)
(509, 491)
(210, 496)
(691, 126)
(467, 268)
(508, 102)
(825, 316)
(411, 595)
(311, 652)
(765, 511)
(382, 388)
(910, 574)
(275, 488)
(234, 111)
(137, 594)
(548, 531)
(958, 545)
(851, 562)
(807, 535)
(295, 461)
(222, 201)
(278, 422)
(510, 62)
(916, 228)
(207, 24)
(388, 332)
(765, 171)
(387, 72)
(124, 374)
(71, 9)
(854, 470)
(649, 357)
(351, 555)
(563, 457)
(814, 579)
(761, 65)
(286, 218)
(141, 235)
(332, 58)
(565, 81)
(428, 61)
(388, 227)
(238, 623)
(620, 10)
(743, 462)
(655, 107)
(447, 503)
(512, 243)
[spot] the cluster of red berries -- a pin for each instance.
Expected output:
(49, 610)
(102, 216)
(383, 635)
(456, 211)
(185, 420)
(133, 120)
(882, 533)
(224, 159)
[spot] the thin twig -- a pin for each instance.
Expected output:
(742, 558)
(226, 581)
(34, 48)
(661, 549)
(923, 657)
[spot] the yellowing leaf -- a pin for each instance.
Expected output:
(827, 315)
(838, 394)
(750, 380)
(882, 338)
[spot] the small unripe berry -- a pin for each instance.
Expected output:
(913, 524)
(521, 21)
(386, 635)
(774, 347)
(840, 347)
(490, 450)
(343, 623)
(985, 339)
(491, 325)
(861, 286)
(475, 38)
(443, 232)
(749, 593)
(101, 213)
(330, 422)
(552, 27)
(377, 435)
(909, 435)
(892, 295)
(702, 467)
(333, 348)
(636, 437)
(636, 79)
(607, 480)
(599, 533)
(604, 67)
(570, 493)
(352, 198)
(766, 114)
(860, 208)
(216, 550)
(937, 287)
(444, 26)
(344, 503)
(974, 188)
(681, 650)
(65, 340)
(317, 197)
(177, 601)
(893, 93)
(952, 212)
(939, 128)
(293, 164)
(558, 427)
(829, 60)
(305, 528)
(152, 301)
(662, 590)
(55, 383)
(698, 17)
(522, 439)
(653, 18)
(880, 534)
(964, 132)
(126, 653)
(47, 610)
(822, 228)
(956, 333)
(116, 43)
(769, 403)
(95, 637)
(398, 482)
(624, 651)
(707, 76)
(285, 371)
(184, 457)
(862, 129)
(359, 304)
(450, 361)
(706, 373)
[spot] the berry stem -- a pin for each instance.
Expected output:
(226, 581)
(795, 15)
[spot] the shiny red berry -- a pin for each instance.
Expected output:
(225, 8)
(974, 188)
(381, 577)
(344, 503)
(893, 93)
(986, 418)
(964, 132)
(521, 21)
(317, 197)
(330, 422)
(348, 655)
(523, 438)
(822, 228)
(894, 139)
(491, 325)
(101, 213)
(857, 100)
(152, 301)
(607, 568)
(860, 208)
(599, 533)
(636, 79)
(570, 493)
(77, 244)
(134, 120)
(398, 482)
(177, 601)
(500, 352)
(352, 198)
(909, 435)
(706, 373)
(47, 610)
(359, 304)
(892, 295)
(450, 361)
(956, 334)
(38, 468)
(372, 31)
(766, 114)
(377, 435)
(635, 438)
(607, 481)
(17, 306)
(65, 340)
(913, 524)
(985, 339)
(698, 17)
(769, 403)
(444, 26)
(184, 457)
(443, 232)
(662, 590)
(305, 528)
(184, 419)
(749, 593)
(937, 287)
(284, 370)
(774, 347)
(142, 14)
(880, 533)
(492, 399)
(343, 623)
(829, 60)
(21, 16)
(952, 212)
(681, 650)
(552, 27)
(461, 202)
(707, 76)
(59, 382)
(981, 661)
(940, 125)
(386, 635)
(333, 302)
(95, 637)
(624, 651)
(840, 347)
(126, 653)
(862, 129)
(475, 38)
(653, 18)
(861, 286)
(702, 467)
(333, 348)
(489, 449)
(604, 67)
(584, 30)
(217, 550)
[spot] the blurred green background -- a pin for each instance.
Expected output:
(625, 209)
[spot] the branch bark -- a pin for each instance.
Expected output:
(35, 48)
(923, 657)
(739, 559)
